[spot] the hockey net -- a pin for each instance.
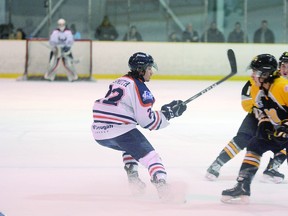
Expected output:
(38, 54)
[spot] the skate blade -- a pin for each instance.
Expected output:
(242, 200)
(176, 193)
(49, 77)
(269, 179)
(71, 77)
(210, 177)
(137, 190)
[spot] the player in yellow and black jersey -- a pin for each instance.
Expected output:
(248, 129)
(271, 105)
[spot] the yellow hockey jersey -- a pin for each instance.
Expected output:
(248, 95)
(274, 102)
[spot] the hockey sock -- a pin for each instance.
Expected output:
(128, 160)
(153, 162)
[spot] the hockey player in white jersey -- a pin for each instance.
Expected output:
(61, 41)
(129, 103)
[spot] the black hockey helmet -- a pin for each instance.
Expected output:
(265, 65)
(139, 61)
(283, 58)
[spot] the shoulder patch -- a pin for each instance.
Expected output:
(147, 96)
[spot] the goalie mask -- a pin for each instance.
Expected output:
(265, 66)
(139, 62)
(61, 24)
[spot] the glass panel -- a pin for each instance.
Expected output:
(155, 20)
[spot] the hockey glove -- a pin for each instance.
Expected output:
(281, 132)
(263, 129)
(259, 114)
(66, 49)
(173, 109)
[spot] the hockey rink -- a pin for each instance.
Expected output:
(51, 166)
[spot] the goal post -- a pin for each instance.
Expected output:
(38, 54)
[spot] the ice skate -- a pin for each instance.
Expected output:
(271, 174)
(213, 171)
(172, 193)
(163, 189)
(72, 77)
(136, 185)
(237, 195)
(50, 76)
(71, 73)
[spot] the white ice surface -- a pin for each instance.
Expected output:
(50, 164)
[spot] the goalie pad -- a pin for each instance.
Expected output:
(65, 54)
(71, 71)
(56, 51)
(53, 62)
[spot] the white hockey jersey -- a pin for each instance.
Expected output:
(61, 39)
(127, 103)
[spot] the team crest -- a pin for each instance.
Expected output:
(147, 95)
(259, 104)
(62, 38)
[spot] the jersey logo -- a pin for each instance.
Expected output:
(147, 96)
(62, 38)
(259, 104)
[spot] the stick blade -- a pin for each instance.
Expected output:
(232, 61)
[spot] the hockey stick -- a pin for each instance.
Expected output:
(233, 66)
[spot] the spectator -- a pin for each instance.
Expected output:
(190, 35)
(213, 34)
(173, 37)
(6, 31)
(76, 34)
(237, 35)
(106, 31)
(20, 34)
(264, 34)
(132, 35)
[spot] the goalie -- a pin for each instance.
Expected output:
(61, 41)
